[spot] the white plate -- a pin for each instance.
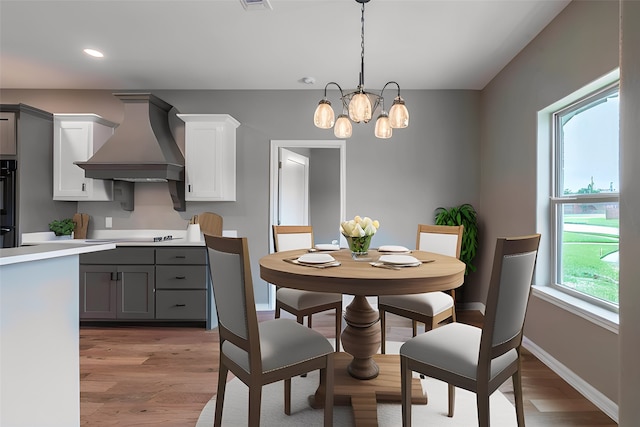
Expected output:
(327, 247)
(393, 248)
(316, 258)
(406, 260)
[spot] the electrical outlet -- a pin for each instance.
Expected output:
(108, 222)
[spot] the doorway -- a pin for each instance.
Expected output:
(293, 188)
(317, 151)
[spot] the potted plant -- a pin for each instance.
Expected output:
(62, 227)
(462, 215)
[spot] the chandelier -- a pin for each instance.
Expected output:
(359, 105)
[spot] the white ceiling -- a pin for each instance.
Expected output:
(216, 44)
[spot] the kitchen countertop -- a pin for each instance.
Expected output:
(23, 254)
(139, 237)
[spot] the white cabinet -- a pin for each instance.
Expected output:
(76, 138)
(210, 157)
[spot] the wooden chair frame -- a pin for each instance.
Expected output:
(430, 322)
(310, 311)
(483, 385)
(255, 378)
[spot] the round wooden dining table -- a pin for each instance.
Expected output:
(361, 336)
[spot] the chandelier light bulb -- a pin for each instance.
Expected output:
(324, 117)
(360, 108)
(398, 114)
(383, 126)
(343, 128)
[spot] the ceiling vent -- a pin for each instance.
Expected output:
(256, 4)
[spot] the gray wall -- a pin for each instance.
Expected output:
(400, 181)
(324, 185)
(578, 47)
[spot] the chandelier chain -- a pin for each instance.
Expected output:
(362, 49)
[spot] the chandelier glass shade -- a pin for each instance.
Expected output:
(361, 105)
(343, 128)
(324, 118)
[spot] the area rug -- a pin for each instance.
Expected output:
(434, 414)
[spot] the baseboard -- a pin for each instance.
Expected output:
(605, 404)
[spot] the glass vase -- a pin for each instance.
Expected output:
(359, 246)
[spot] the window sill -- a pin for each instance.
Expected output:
(591, 312)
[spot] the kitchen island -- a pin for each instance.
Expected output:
(39, 334)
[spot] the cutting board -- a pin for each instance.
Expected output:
(82, 223)
(210, 223)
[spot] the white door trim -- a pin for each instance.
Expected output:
(339, 144)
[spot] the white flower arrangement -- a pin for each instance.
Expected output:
(359, 227)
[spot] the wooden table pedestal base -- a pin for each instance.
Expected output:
(363, 395)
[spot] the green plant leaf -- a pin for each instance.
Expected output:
(466, 215)
(63, 227)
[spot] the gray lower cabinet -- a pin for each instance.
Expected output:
(117, 292)
(181, 284)
(143, 283)
(119, 285)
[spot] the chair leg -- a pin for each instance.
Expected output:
(414, 324)
(452, 399)
(326, 376)
(482, 400)
(338, 327)
(383, 331)
(277, 314)
(453, 295)
(255, 397)
(287, 396)
(300, 319)
(517, 391)
(405, 383)
(222, 382)
(433, 325)
(310, 321)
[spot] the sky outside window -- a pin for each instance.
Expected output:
(590, 141)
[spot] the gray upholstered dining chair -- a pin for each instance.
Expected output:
(479, 359)
(265, 352)
(430, 308)
(297, 302)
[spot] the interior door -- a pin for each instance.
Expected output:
(293, 188)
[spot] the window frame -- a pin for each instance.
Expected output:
(558, 199)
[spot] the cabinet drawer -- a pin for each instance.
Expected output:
(181, 256)
(181, 305)
(120, 256)
(181, 277)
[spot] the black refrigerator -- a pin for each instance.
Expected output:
(8, 225)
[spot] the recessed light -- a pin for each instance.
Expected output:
(94, 53)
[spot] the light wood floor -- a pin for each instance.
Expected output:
(163, 376)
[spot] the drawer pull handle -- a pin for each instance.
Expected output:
(180, 277)
(181, 305)
(180, 256)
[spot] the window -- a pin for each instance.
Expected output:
(584, 203)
